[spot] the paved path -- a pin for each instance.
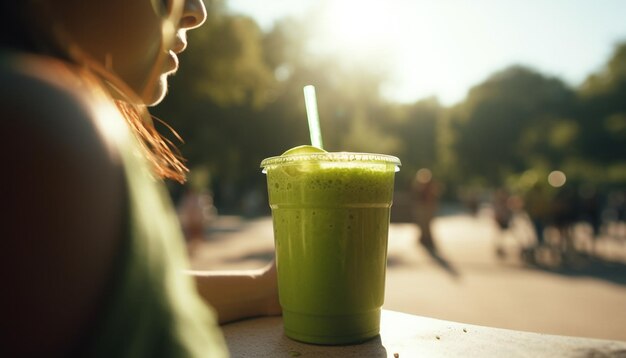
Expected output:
(466, 282)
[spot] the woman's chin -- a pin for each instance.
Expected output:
(160, 90)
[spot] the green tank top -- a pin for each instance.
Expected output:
(153, 309)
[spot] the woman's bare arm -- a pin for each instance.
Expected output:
(239, 294)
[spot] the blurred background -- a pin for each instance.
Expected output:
(489, 94)
(516, 111)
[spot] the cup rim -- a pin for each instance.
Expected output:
(347, 157)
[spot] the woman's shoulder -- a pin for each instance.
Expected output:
(47, 102)
(37, 87)
(51, 112)
(64, 194)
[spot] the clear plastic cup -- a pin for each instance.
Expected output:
(330, 215)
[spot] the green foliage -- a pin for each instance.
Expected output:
(508, 120)
(417, 128)
(603, 112)
(238, 99)
(227, 55)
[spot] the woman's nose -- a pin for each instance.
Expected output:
(194, 14)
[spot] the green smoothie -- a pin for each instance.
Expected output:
(331, 217)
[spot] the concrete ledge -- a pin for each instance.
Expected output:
(405, 335)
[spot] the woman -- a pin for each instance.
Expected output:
(92, 258)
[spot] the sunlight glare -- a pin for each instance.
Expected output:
(420, 44)
(359, 25)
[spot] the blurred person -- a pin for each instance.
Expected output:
(473, 204)
(191, 216)
(92, 259)
(470, 198)
(425, 193)
(614, 214)
(590, 212)
(252, 202)
(502, 215)
(564, 214)
(502, 211)
(621, 214)
(591, 207)
(537, 206)
(196, 212)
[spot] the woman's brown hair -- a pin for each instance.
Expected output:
(21, 30)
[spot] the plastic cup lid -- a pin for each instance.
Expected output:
(345, 157)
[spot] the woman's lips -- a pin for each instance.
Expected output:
(172, 62)
(180, 42)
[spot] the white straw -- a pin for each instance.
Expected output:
(310, 102)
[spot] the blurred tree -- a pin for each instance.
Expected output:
(508, 123)
(603, 116)
(350, 109)
(238, 99)
(416, 129)
(227, 54)
(357, 115)
(223, 81)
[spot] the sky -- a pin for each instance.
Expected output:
(444, 47)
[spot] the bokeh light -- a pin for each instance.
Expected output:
(424, 175)
(557, 178)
